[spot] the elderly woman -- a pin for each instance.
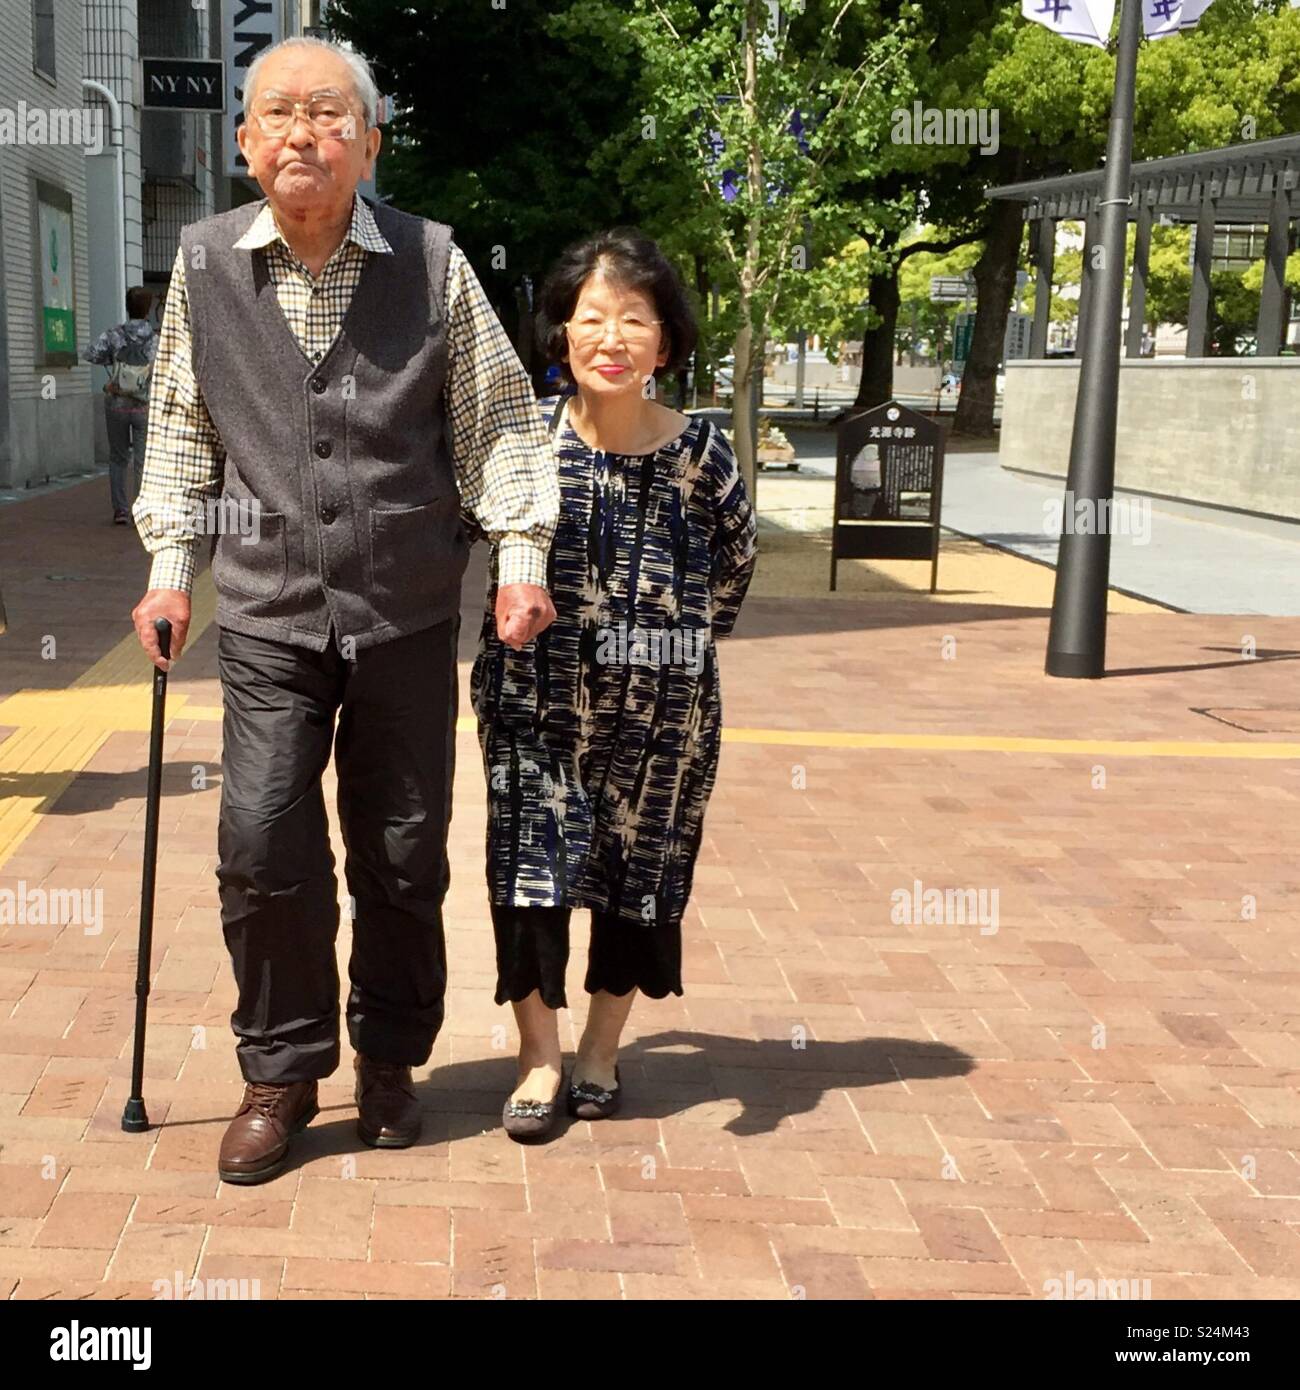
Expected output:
(601, 737)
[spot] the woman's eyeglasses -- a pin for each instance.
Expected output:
(589, 329)
(326, 114)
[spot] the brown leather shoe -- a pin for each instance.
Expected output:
(388, 1113)
(255, 1147)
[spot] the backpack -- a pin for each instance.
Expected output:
(132, 368)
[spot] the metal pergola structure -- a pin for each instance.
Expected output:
(1249, 184)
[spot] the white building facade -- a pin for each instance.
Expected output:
(46, 422)
(95, 186)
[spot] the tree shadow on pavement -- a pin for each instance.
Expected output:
(1261, 658)
(101, 791)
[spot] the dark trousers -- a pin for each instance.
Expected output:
(127, 426)
(532, 946)
(394, 753)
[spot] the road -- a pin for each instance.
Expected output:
(1196, 558)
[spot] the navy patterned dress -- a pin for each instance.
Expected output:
(600, 738)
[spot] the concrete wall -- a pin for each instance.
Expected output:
(1220, 430)
(815, 374)
(46, 437)
(907, 380)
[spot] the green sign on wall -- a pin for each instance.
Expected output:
(58, 315)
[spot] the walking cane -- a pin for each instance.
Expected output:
(134, 1119)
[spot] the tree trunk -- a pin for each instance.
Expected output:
(742, 406)
(995, 285)
(876, 385)
(523, 328)
(702, 290)
(750, 337)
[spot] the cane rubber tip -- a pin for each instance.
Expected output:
(134, 1119)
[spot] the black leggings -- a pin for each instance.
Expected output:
(533, 951)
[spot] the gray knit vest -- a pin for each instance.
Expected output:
(358, 514)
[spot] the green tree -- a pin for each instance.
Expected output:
(497, 116)
(1234, 294)
(912, 179)
(752, 118)
(1236, 77)
(934, 323)
(1169, 276)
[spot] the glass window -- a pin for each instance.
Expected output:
(43, 38)
(1237, 248)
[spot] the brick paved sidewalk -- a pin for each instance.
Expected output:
(1095, 1078)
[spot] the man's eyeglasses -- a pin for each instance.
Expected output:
(327, 114)
(588, 329)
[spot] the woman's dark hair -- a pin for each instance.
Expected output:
(629, 258)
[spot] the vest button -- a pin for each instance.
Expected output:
(324, 448)
(318, 384)
(327, 515)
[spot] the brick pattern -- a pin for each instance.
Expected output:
(845, 1104)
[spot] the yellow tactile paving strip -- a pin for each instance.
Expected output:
(37, 763)
(997, 743)
(58, 732)
(959, 743)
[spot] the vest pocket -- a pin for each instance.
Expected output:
(257, 570)
(416, 552)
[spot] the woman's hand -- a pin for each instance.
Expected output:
(522, 611)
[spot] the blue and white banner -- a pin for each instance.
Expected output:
(1084, 21)
(1090, 21)
(1160, 18)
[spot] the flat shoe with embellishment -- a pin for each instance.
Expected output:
(530, 1120)
(587, 1101)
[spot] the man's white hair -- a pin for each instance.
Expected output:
(362, 77)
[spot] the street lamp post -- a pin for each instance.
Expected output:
(1076, 643)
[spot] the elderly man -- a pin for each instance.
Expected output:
(333, 369)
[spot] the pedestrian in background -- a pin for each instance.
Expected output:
(127, 350)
